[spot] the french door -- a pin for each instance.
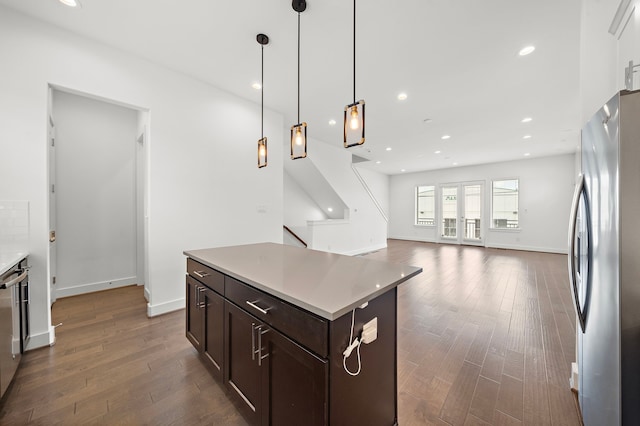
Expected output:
(462, 213)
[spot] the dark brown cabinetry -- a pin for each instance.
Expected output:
(205, 314)
(283, 364)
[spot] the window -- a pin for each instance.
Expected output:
(504, 204)
(425, 205)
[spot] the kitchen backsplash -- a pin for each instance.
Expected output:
(14, 226)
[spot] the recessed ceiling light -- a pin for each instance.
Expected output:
(332, 122)
(526, 154)
(402, 170)
(70, 3)
(527, 119)
(437, 152)
(455, 164)
(526, 50)
(255, 85)
(402, 96)
(526, 137)
(378, 162)
(388, 148)
(445, 137)
(330, 209)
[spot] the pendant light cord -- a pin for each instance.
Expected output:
(354, 51)
(262, 97)
(298, 67)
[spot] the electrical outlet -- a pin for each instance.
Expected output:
(370, 331)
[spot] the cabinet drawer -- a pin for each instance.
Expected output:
(206, 275)
(299, 325)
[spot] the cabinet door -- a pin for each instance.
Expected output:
(212, 344)
(241, 369)
(294, 382)
(195, 324)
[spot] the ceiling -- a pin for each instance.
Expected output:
(457, 61)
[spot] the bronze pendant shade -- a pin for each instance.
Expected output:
(354, 112)
(299, 131)
(262, 142)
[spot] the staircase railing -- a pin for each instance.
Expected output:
(300, 240)
(366, 188)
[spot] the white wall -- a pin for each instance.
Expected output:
(204, 186)
(546, 190)
(95, 194)
(366, 229)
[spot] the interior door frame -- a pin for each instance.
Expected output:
(142, 187)
(460, 212)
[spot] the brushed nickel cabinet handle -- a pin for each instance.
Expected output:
(260, 356)
(253, 341)
(200, 274)
(258, 308)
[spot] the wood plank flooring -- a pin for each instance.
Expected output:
(485, 337)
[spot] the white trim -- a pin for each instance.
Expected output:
(489, 245)
(528, 248)
(147, 294)
(92, 287)
(363, 250)
(39, 340)
(165, 308)
(505, 229)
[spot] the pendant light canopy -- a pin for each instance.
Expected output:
(262, 143)
(354, 112)
(299, 131)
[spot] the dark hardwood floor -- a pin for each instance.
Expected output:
(485, 337)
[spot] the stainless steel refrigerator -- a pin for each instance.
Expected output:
(604, 264)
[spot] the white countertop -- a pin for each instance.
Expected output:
(327, 284)
(7, 260)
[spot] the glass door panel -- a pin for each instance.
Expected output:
(449, 206)
(473, 212)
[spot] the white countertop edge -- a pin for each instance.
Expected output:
(301, 304)
(9, 260)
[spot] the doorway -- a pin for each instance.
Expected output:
(97, 165)
(462, 213)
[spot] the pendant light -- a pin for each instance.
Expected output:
(262, 143)
(354, 112)
(299, 131)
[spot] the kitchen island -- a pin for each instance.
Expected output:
(273, 322)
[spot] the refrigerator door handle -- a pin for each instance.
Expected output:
(572, 258)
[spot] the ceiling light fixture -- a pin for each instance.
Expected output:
(437, 152)
(526, 154)
(332, 122)
(299, 131)
(378, 162)
(403, 170)
(402, 96)
(388, 148)
(71, 3)
(257, 85)
(526, 137)
(527, 119)
(526, 50)
(262, 142)
(354, 113)
(445, 137)
(455, 164)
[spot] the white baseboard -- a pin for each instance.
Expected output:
(422, 240)
(528, 248)
(165, 308)
(365, 249)
(147, 295)
(498, 246)
(91, 287)
(39, 340)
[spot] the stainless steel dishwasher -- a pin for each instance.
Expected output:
(13, 292)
